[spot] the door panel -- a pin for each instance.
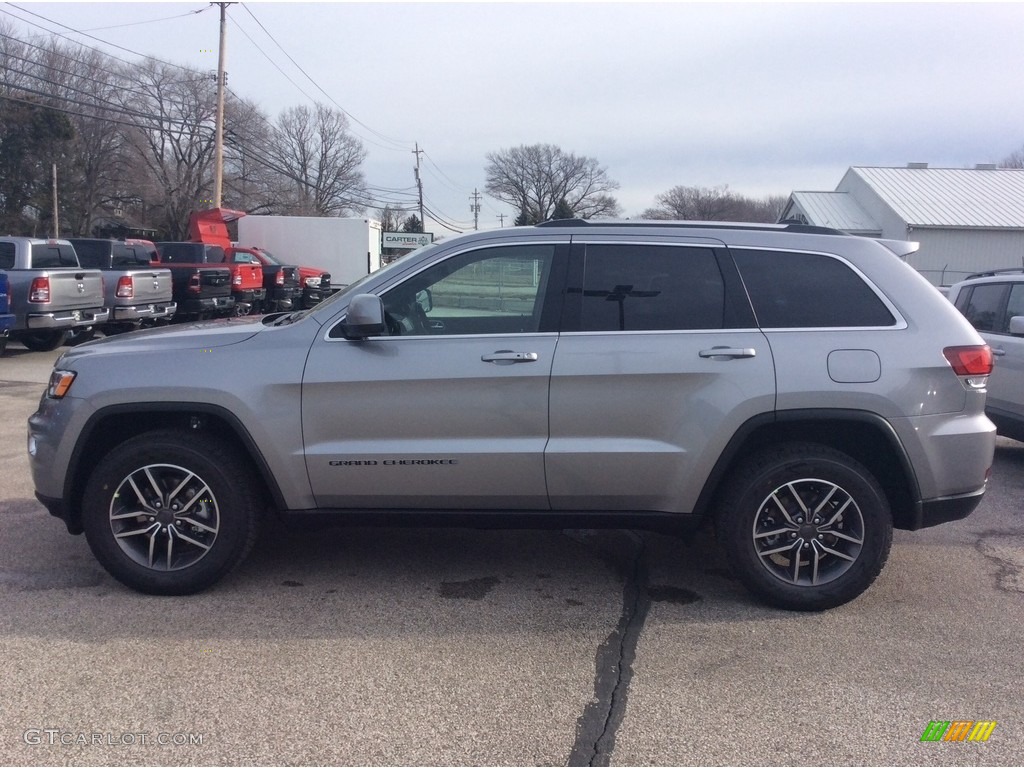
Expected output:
(425, 423)
(450, 410)
(638, 419)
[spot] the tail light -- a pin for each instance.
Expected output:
(39, 291)
(194, 285)
(125, 289)
(279, 279)
(237, 279)
(973, 363)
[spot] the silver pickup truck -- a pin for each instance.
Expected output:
(50, 292)
(136, 292)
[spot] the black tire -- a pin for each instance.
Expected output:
(42, 341)
(166, 549)
(78, 336)
(3, 344)
(796, 562)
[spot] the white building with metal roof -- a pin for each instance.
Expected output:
(966, 219)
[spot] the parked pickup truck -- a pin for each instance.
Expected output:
(200, 291)
(136, 293)
(6, 318)
(50, 293)
(281, 281)
(246, 278)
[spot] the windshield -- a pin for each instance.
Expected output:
(270, 257)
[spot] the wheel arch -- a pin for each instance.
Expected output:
(864, 436)
(111, 426)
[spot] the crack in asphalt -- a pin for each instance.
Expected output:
(1005, 549)
(596, 728)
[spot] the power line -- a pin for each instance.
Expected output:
(151, 21)
(399, 144)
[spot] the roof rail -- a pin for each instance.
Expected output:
(994, 272)
(677, 224)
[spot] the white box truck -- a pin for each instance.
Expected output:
(346, 248)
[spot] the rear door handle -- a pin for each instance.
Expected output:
(727, 353)
(508, 357)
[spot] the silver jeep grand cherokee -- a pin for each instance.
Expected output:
(803, 391)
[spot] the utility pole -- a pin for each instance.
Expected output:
(56, 221)
(419, 184)
(474, 208)
(218, 147)
(501, 219)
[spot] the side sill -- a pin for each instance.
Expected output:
(663, 522)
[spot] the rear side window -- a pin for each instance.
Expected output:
(982, 305)
(651, 288)
(1015, 305)
(6, 255)
(808, 290)
(49, 255)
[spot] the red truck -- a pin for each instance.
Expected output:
(312, 286)
(246, 278)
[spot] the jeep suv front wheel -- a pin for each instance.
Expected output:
(171, 513)
(805, 526)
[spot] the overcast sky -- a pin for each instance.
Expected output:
(766, 98)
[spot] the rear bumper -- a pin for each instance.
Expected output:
(68, 318)
(938, 511)
(217, 304)
(144, 312)
(250, 295)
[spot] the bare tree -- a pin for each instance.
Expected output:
(694, 204)
(538, 178)
(313, 148)
(714, 204)
(252, 180)
(172, 141)
(94, 171)
(1013, 160)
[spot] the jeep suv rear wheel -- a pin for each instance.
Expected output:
(171, 513)
(805, 527)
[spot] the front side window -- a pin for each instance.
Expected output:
(489, 291)
(808, 290)
(983, 306)
(651, 288)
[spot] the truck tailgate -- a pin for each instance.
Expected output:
(73, 289)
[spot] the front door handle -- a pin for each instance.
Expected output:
(508, 357)
(727, 353)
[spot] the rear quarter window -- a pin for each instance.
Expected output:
(91, 255)
(808, 290)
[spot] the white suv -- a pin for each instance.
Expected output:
(994, 304)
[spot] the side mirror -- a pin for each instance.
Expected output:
(1017, 325)
(365, 317)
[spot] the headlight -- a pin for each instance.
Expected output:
(60, 383)
(313, 282)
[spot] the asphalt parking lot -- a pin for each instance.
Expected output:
(375, 647)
